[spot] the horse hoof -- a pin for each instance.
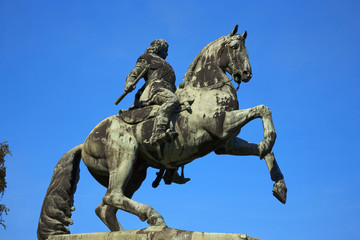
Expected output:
(156, 221)
(280, 190)
(109, 218)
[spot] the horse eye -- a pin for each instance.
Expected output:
(235, 45)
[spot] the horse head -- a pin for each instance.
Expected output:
(233, 56)
(225, 54)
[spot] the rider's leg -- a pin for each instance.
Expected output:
(168, 102)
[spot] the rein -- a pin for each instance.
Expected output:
(222, 83)
(238, 86)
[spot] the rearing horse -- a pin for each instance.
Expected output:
(117, 157)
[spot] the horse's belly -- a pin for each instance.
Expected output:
(185, 150)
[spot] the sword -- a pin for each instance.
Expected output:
(132, 87)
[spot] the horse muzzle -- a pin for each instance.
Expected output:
(245, 76)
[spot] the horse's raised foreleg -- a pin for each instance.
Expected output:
(279, 189)
(235, 120)
(238, 146)
(121, 161)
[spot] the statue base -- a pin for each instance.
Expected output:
(154, 233)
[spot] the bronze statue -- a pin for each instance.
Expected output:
(208, 119)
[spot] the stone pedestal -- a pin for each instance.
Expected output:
(154, 233)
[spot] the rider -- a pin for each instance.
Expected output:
(159, 88)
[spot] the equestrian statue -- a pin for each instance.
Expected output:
(166, 128)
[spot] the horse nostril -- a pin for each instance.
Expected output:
(247, 73)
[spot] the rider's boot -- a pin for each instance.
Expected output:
(172, 176)
(162, 133)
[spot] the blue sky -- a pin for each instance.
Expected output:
(63, 64)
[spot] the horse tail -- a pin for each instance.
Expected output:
(59, 199)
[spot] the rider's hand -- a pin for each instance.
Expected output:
(129, 87)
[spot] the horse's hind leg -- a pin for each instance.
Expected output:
(107, 214)
(121, 161)
(238, 146)
(137, 178)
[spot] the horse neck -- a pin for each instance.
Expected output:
(205, 78)
(204, 71)
(211, 85)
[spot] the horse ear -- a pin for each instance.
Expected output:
(244, 34)
(234, 31)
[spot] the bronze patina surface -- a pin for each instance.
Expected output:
(203, 112)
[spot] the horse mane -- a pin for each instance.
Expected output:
(190, 72)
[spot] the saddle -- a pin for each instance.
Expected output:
(138, 115)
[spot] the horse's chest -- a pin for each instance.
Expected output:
(227, 100)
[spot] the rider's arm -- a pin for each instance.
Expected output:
(138, 69)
